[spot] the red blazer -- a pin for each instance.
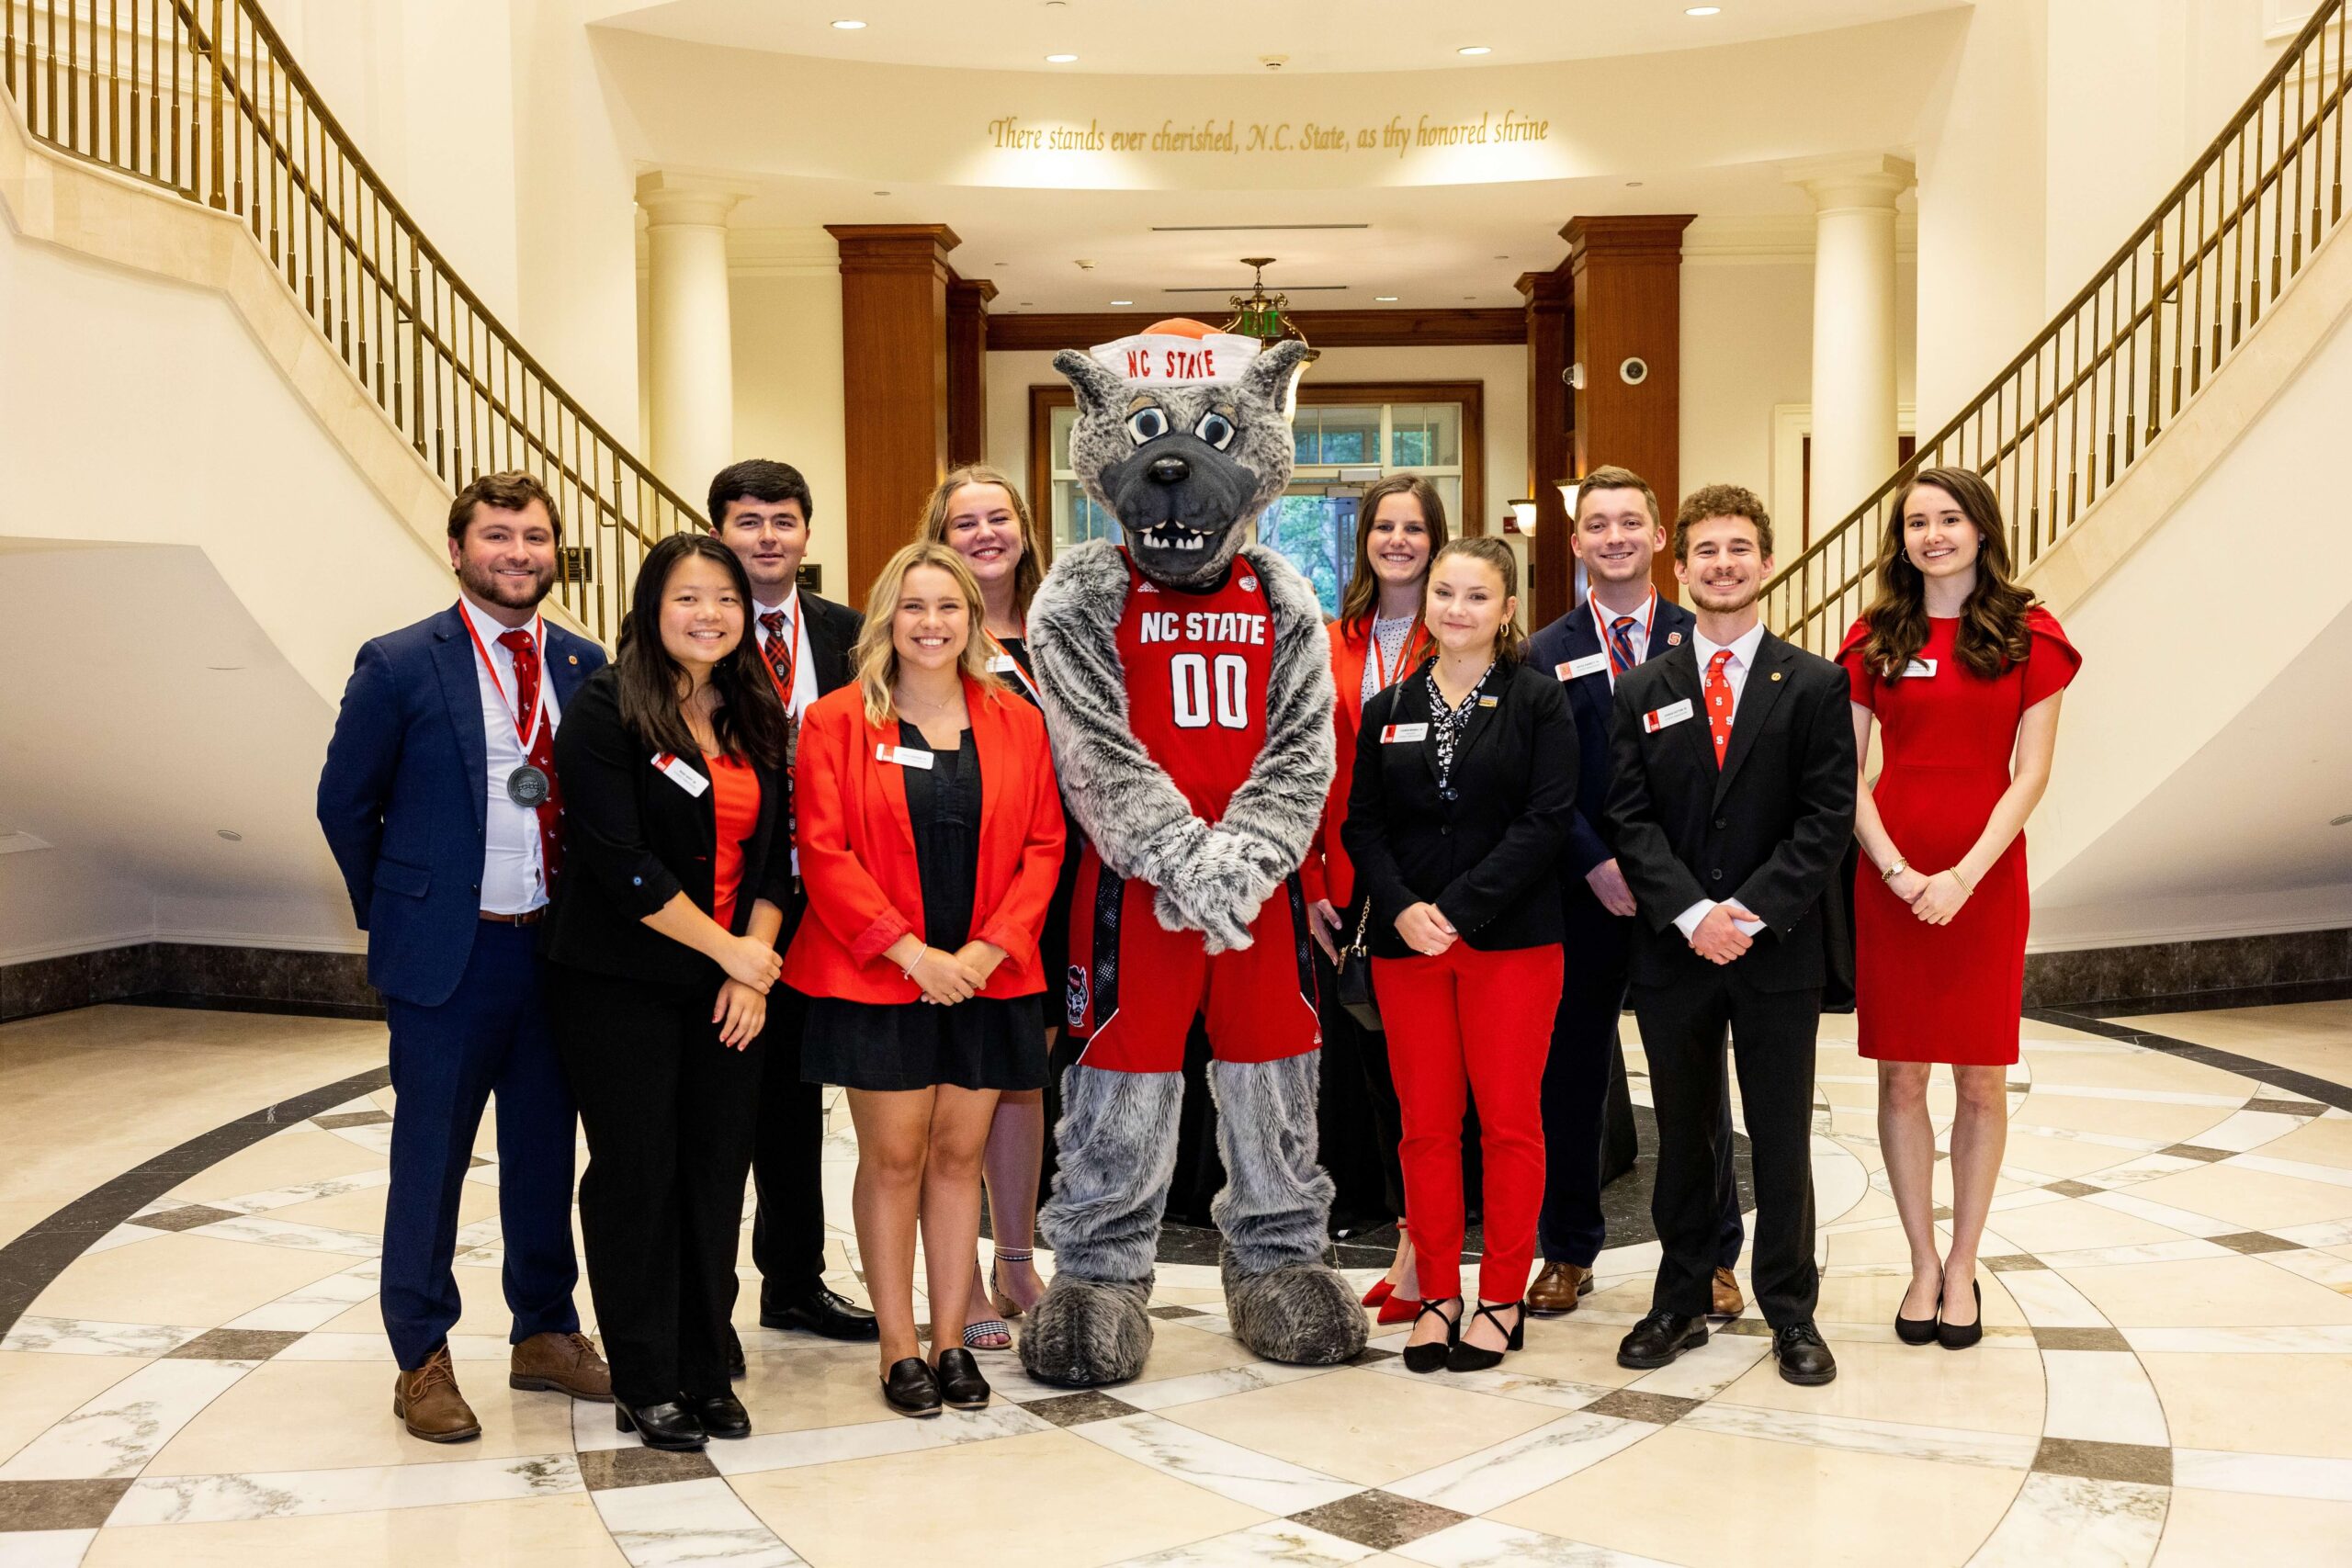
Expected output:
(857, 849)
(1329, 873)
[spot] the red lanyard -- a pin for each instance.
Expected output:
(526, 729)
(1609, 643)
(1381, 679)
(1006, 654)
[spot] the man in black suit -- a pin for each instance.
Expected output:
(1731, 801)
(1621, 623)
(760, 508)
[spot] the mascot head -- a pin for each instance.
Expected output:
(1181, 434)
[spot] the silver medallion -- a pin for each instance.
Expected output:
(526, 785)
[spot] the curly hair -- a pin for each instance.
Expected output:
(1992, 635)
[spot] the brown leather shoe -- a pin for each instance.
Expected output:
(1556, 1289)
(561, 1363)
(1728, 1301)
(428, 1403)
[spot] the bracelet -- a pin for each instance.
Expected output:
(1895, 868)
(1965, 885)
(909, 972)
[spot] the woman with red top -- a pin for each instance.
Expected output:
(1378, 639)
(929, 832)
(661, 943)
(1965, 671)
(977, 514)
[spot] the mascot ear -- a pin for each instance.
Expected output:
(1269, 375)
(1098, 389)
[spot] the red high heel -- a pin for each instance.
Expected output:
(1399, 1309)
(1381, 1290)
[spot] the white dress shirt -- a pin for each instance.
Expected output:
(1743, 659)
(513, 873)
(1603, 617)
(803, 669)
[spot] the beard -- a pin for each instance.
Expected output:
(1726, 601)
(487, 585)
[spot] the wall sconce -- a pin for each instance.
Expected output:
(1569, 489)
(1522, 517)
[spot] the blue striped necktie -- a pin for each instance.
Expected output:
(1620, 642)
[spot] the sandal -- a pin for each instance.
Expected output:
(1006, 1305)
(977, 1335)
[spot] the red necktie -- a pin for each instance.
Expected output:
(542, 757)
(1718, 689)
(783, 655)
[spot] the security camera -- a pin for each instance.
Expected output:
(1574, 375)
(1634, 370)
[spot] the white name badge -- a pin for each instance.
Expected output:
(1577, 669)
(1918, 667)
(905, 756)
(1403, 734)
(678, 774)
(1003, 664)
(1672, 714)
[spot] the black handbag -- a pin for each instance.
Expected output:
(1355, 975)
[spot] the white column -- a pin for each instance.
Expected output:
(692, 374)
(1853, 326)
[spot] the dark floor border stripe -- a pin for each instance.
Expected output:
(2305, 1084)
(29, 1263)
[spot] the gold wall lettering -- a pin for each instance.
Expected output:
(1010, 133)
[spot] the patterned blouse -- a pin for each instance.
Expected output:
(1388, 637)
(1450, 723)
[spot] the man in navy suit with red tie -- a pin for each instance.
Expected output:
(441, 803)
(1621, 622)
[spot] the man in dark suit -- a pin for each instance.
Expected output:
(1731, 801)
(1622, 622)
(448, 725)
(761, 510)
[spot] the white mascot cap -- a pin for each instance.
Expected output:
(1177, 352)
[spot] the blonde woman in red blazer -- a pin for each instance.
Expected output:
(1379, 638)
(930, 833)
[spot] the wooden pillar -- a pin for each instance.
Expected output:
(1627, 274)
(1550, 412)
(967, 369)
(894, 385)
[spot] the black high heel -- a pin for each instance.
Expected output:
(1433, 1356)
(1465, 1357)
(1967, 1334)
(1920, 1330)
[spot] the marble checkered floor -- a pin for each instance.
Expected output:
(2165, 1377)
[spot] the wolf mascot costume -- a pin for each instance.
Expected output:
(1187, 684)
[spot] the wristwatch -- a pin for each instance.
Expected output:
(1895, 868)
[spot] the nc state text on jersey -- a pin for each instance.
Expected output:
(1204, 625)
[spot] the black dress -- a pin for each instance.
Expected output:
(987, 1043)
(1053, 942)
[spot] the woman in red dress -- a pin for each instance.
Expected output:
(1965, 671)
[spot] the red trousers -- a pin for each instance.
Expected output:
(1470, 1022)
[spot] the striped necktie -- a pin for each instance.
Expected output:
(1620, 644)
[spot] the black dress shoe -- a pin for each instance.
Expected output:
(734, 1352)
(1658, 1339)
(1961, 1335)
(665, 1426)
(1919, 1330)
(1432, 1356)
(823, 1311)
(913, 1388)
(721, 1414)
(960, 1383)
(1467, 1358)
(1804, 1358)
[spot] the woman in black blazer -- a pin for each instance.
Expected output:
(1466, 785)
(660, 941)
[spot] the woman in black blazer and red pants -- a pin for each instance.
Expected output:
(1466, 785)
(662, 949)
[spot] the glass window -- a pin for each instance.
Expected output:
(1074, 518)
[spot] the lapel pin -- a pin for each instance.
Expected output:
(1674, 640)
(574, 659)
(1775, 674)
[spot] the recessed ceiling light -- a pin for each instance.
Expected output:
(881, 193)
(1384, 299)
(1474, 49)
(848, 26)
(1633, 185)
(1122, 301)
(1061, 59)
(230, 834)
(1703, 10)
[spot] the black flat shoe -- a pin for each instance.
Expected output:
(913, 1388)
(1658, 1339)
(721, 1414)
(1959, 1336)
(820, 1311)
(1919, 1330)
(1804, 1357)
(960, 1383)
(665, 1426)
(1433, 1357)
(1467, 1358)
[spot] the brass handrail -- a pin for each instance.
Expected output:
(2135, 344)
(203, 99)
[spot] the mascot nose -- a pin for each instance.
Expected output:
(1170, 471)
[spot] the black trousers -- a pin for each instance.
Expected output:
(1587, 1056)
(1772, 1032)
(787, 1154)
(1358, 1118)
(669, 1115)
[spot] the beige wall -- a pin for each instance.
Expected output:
(786, 303)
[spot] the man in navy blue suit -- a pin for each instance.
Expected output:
(1621, 622)
(440, 801)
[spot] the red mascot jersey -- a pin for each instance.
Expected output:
(1198, 666)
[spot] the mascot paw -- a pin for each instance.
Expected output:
(1303, 1313)
(1220, 931)
(1085, 1333)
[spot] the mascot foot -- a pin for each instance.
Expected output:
(1085, 1333)
(1303, 1313)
